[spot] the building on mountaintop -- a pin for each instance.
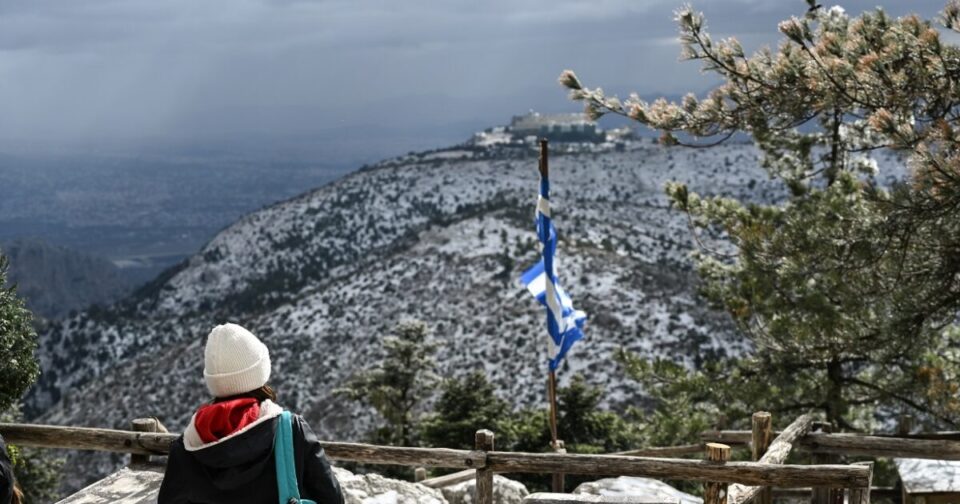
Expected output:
(575, 127)
(524, 130)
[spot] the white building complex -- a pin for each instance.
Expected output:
(556, 127)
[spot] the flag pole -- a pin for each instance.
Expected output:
(552, 376)
(558, 479)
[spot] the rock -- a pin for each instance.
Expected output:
(636, 487)
(131, 485)
(375, 489)
(505, 491)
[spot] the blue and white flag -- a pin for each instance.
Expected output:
(564, 323)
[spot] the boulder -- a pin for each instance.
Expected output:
(375, 489)
(636, 487)
(505, 491)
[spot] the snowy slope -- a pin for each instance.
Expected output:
(440, 236)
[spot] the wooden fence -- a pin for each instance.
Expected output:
(857, 444)
(726, 481)
(747, 478)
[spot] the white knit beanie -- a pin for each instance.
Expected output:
(235, 361)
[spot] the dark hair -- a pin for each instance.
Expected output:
(260, 394)
(17, 494)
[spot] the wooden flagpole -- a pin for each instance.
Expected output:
(552, 396)
(556, 444)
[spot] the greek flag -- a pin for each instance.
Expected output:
(564, 324)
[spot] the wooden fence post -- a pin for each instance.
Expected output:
(143, 425)
(160, 426)
(776, 453)
(862, 495)
(762, 424)
(557, 482)
(716, 492)
(905, 425)
(419, 474)
(823, 495)
(484, 442)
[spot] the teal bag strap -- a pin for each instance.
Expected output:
(286, 467)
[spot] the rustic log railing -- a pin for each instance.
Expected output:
(887, 493)
(751, 473)
(823, 445)
(449, 479)
(484, 461)
(149, 443)
(857, 444)
(665, 451)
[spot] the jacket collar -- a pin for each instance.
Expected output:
(191, 438)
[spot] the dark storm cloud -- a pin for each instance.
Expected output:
(138, 70)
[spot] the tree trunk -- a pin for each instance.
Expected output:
(835, 405)
(835, 154)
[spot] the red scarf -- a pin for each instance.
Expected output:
(217, 421)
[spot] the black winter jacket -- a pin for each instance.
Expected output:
(6, 475)
(242, 469)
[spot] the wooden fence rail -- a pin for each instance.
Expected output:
(743, 436)
(890, 493)
(449, 479)
(665, 451)
(87, 438)
(751, 473)
(857, 444)
(148, 443)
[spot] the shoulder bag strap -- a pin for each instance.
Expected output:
(286, 468)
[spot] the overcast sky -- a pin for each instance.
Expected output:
(412, 72)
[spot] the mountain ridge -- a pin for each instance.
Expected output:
(55, 280)
(441, 236)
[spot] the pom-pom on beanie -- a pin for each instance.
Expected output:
(235, 361)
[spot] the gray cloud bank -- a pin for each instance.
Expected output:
(419, 72)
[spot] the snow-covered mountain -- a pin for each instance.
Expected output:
(54, 280)
(440, 236)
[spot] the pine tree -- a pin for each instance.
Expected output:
(398, 384)
(37, 472)
(848, 290)
(18, 343)
(465, 405)
(587, 428)
(582, 424)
